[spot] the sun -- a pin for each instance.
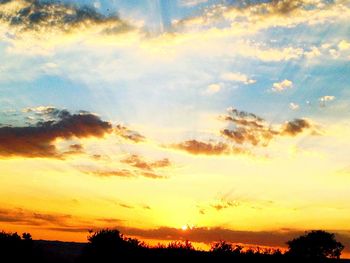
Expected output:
(184, 227)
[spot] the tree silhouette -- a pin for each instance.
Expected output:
(316, 244)
(109, 245)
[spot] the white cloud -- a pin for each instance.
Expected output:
(344, 45)
(327, 98)
(191, 3)
(213, 88)
(324, 99)
(97, 4)
(314, 52)
(294, 106)
(237, 77)
(283, 85)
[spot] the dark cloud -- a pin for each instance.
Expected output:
(147, 207)
(293, 128)
(54, 221)
(198, 147)
(128, 134)
(125, 206)
(137, 162)
(76, 147)
(248, 128)
(285, 7)
(38, 140)
(224, 204)
(244, 130)
(24, 217)
(47, 16)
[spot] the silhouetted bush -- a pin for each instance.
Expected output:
(13, 248)
(315, 245)
(109, 245)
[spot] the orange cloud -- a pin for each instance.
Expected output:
(137, 162)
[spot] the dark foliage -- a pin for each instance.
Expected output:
(13, 248)
(316, 244)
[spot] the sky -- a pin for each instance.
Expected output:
(204, 120)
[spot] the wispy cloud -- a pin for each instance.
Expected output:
(137, 162)
(191, 3)
(324, 99)
(128, 134)
(294, 106)
(237, 77)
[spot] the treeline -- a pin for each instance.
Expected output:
(109, 245)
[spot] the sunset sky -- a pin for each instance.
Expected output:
(175, 119)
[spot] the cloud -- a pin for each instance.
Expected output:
(294, 127)
(39, 140)
(247, 128)
(128, 134)
(224, 204)
(25, 217)
(125, 206)
(294, 106)
(283, 85)
(344, 45)
(53, 221)
(213, 88)
(198, 147)
(325, 99)
(249, 17)
(244, 130)
(137, 162)
(237, 77)
(126, 173)
(110, 173)
(47, 17)
(153, 175)
(191, 3)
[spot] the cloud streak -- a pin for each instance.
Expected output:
(128, 134)
(137, 162)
